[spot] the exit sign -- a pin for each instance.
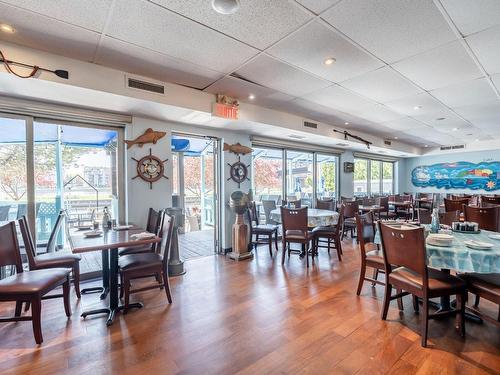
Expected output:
(229, 112)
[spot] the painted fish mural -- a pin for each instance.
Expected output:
(459, 175)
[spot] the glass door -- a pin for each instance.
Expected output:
(299, 177)
(326, 176)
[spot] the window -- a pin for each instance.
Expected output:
(299, 180)
(360, 177)
(326, 176)
(267, 174)
(378, 173)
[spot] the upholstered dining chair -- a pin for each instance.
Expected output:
(405, 248)
(485, 286)
(325, 204)
(492, 200)
(385, 212)
(28, 286)
(50, 260)
(269, 232)
(488, 218)
(149, 264)
(455, 204)
(153, 225)
(295, 230)
(351, 209)
(329, 235)
(447, 218)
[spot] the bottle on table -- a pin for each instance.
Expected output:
(106, 219)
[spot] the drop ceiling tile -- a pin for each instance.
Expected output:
(43, 33)
(381, 85)
(376, 113)
(391, 29)
(339, 98)
(439, 67)
(496, 81)
(486, 46)
(482, 116)
(416, 105)
(137, 60)
(403, 124)
(317, 6)
(473, 92)
(241, 90)
(443, 119)
(158, 29)
(311, 45)
(473, 16)
(90, 14)
(277, 75)
(259, 23)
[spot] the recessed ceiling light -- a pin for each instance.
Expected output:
(346, 123)
(417, 107)
(251, 96)
(226, 6)
(329, 61)
(7, 28)
(426, 145)
(454, 129)
(395, 137)
(477, 140)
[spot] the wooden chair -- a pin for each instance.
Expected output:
(406, 249)
(295, 230)
(326, 204)
(351, 209)
(487, 217)
(424, 216)
(486, 286)
(370, 254)
(150, 264)
(404, 211)
(455, 204)
(329, 235)
(49, 260)
(28, 286)
(153, 225)
(369, 201)
(447, 218)
(268, 231)
(489, 199)
(385, 213)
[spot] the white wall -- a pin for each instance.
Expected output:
(140, 197)
(346, 179)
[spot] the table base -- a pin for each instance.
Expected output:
(112, 312)
(445, 306)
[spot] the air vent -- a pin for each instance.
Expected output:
(145, 86)
(295, 136)
(387, 142)
(312, 125)
(456, 147)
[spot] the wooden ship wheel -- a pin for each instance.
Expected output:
(238, 172)
(150, 168)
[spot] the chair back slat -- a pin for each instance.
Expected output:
(152, 222)
(404, 247)
(325, 204)
(9, 247)
(294, 219)
(424, 216)
(351, 208)
(486, 217)
(166, 239)
(448, 218)
(366, 230)
(252, 214)
(29, 244)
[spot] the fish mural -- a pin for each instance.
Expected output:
(459, 175)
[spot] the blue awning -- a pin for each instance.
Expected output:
(190, 146)
(13, 131)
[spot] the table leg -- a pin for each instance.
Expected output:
(104, 289)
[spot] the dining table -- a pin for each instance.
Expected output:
(462, 259)
(108, 243)
(315, 217)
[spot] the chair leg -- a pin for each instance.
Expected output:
(387, 300)
(460, 318)
(36, 315)
(400, 300)
(270, 243)
(329, 244)
(27, 306)
(339, 249)
(425, 321)
(375, 275)
(276, 240)
(76, 279)
(284, 252)
(476, 301)
(19, 308)
(126, 290)
(415, 303)
(66, 297)
(166, 283)
(121, 285)
(361, 278)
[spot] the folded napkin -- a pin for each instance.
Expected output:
(123, 227)
(142, 236)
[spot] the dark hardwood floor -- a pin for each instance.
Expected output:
(251, 317)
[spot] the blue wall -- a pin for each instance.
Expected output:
(408, 165)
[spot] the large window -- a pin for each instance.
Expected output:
(373, 177)
(308, 175)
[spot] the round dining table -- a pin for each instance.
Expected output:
(315, 217)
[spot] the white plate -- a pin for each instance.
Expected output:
(494, 236)
(478, 245)
(94, 233)
(438, 243)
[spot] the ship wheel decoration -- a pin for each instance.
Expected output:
(238, 172)
(150, 168)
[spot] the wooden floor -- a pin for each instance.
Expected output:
(251, 317)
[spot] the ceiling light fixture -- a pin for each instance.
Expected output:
(34, 68)
(395, 137)
(426, 145)
(226, 6)
(477, 139)
(346, 123)
(417, 107)
(454, 129)
(251, 96)
(329, 60)
(7, 28)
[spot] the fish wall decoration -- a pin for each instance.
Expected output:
(237, 148)
(149, 136)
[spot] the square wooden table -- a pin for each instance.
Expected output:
(109, 243)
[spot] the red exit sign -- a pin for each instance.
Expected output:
(229, 112)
